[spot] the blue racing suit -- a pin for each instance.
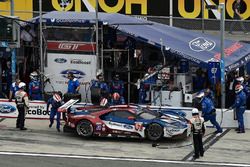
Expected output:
(54, 107)
(144, 87)
(117, 102)
(72, 85)
(240, 105)
(209, 112)
(35, 90)
(14, 88)
(102, 85)
(117, 87)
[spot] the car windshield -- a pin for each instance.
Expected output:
(147, 114)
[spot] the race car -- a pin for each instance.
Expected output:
(125, 120)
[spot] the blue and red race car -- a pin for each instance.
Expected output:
(125, 120)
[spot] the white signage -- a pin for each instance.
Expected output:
(59, 65)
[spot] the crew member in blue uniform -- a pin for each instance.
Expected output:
(73, 84)
(100, 84)
(117, 85)
(145, 85)
(117, 99)
(14, 88)
(240, 106)
(35, 88)
(7, 75)
(208, 111)
(55, 102)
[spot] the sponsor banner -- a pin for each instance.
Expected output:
(71, 46)
(181, 8)
(59, 65)
(37, 110)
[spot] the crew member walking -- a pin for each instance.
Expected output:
(198, 130)
(208, 111)
(55, 102)
(22, 102)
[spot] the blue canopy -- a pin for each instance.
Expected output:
(197, 47)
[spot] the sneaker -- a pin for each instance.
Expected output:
(241, 131)
(23, 128)
(218, 131)
(246, 33)
(195, 156)
(231, 33)
(58, 130)
(50, 125)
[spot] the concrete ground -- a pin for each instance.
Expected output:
(228, 147)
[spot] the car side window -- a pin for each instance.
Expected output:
(122, 114)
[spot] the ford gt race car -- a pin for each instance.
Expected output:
(125, 120)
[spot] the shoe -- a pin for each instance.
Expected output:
(195, 157)
(23, 128)
(155, 144)
(58, 130)
(50, 125)
(241, 131)
(218, 131)
(231, 33)
(246, 33)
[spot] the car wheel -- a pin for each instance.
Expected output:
(84, 128)
(154, 131)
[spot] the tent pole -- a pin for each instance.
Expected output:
(97, 37)
(41, 44)
(222, 35)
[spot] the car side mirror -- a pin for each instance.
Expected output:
(131, 118)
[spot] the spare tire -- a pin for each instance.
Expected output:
(68, 96)
(48, 95)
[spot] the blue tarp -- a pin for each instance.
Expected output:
(197, 47)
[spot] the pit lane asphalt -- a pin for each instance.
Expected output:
(228, 147)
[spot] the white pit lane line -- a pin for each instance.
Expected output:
(119, 159)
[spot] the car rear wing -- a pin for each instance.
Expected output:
(67, 105)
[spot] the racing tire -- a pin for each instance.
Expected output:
(85, 128)
(154, 132)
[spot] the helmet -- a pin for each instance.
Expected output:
(57, 97)
(240, 80)
(195, 111)
(200, 96)
(104, 102)
(116, 77)
(34, 75)
(116, 96)
(22, 85)
(238, 88)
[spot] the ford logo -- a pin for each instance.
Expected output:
(78, 74)
(60, 60)
(201, 44)
(128, 126)
(6, 108)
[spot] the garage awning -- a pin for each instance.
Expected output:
(197, 47)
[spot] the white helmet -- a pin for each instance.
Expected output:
(34, 75)
(57, 97)
(195, 111)
(238, 88)
(104, 102)
(240, 80)
(22, 85)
